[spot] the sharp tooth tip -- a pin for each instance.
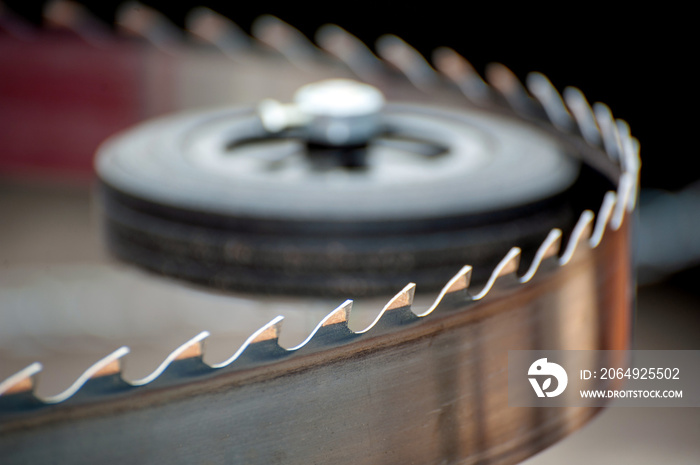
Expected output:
(338, 316)
(264, 21)
(387, 41)
(445, 49)
(465, 271)
(200, 336)
(345, 307)
(499, 72)
(550, 247)
(538, 80)
(194, 347)
(580, 236)
(409, 290)
(510, 262)
(120, 352)
(270, 331)
(22, 381)
(276, 324)
(622, 122)
(330, 28)
(507, 266)
(554, 239)
(403, 299)
(461, 280)
(554, 235)
(587, 224)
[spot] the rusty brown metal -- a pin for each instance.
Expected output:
(434, 392)
(425, 388)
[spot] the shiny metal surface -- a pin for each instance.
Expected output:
(423, 386)
(424, 390)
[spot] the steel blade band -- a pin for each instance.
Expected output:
(410, 389)
(431, 389)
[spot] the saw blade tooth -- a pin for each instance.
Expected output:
(408, 60)
(509, 86)
(549, 249)
(508, 266)
(22, 381)
(285, 39)
(350, 50)
(624, 132)
(339, 316)
(74, 17)
(603, 218)
(583, 114)
(629, 161)
(107, 366)
(608, 130)
(459, 282)
(625, 190)
(634, 155)
(332, 329)
(615, 129)
(458, 70)
(267, 334)
(580, 235)
(630, 156)
(457, 286)
(216, 29)
(136, 19)
(399, 304)
(404, 299)
(550, 99)
(190, 349)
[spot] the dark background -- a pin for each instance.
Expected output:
(637, 61)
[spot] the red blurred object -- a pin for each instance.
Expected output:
(60, 97)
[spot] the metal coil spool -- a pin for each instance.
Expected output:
(216, 198)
